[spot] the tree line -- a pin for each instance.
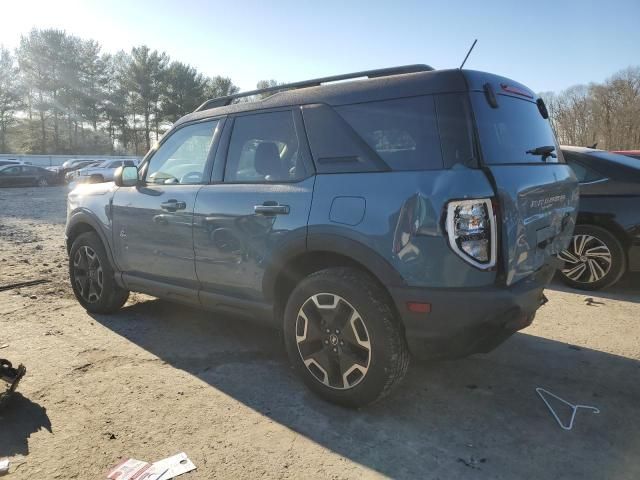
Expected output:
(606, 114)
(61, 94)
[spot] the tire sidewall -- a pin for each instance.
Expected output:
(109, 285)
(618, 258)
(371, 311)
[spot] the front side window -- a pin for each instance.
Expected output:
(182, 157)
(403, 132)
(11, 171)
(264, 148)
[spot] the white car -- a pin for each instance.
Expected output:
(5, 162)
(102, 172)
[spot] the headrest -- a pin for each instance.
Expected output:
(267, 161)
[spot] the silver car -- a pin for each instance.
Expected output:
(102, 172)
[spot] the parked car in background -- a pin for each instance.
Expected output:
(26, 175)
(4, 162)
(628, 153)
(358, 217)
(100, 172)
(606, 241)
(69, 164)
(71, 172)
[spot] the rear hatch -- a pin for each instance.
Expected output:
(537, 192)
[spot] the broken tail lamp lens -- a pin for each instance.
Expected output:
(471, 227)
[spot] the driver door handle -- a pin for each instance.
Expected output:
(269, 208)
(173, 205)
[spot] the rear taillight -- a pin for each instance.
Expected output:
(471, 227)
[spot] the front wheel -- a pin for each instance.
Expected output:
(343, 337)
(593, 260)
(92, 277)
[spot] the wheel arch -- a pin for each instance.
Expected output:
(80, 223)
(326, 251)
(607, 223)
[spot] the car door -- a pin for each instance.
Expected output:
(11, 176)
(30, 175)
(256, 206)
(152, 222)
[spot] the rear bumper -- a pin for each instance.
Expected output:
(466, 321)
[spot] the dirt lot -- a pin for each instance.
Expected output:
(158, 379)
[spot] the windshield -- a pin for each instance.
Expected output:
(515, 132)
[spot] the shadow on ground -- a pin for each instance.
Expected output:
(627, 289)
(446, 419)
(19, 418)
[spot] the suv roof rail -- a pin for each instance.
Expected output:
(380, 72)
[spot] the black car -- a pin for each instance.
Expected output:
(606, 241)
(26, 175)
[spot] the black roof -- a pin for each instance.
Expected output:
(395, 86)
(371, 89)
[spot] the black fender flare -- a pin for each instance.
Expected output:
(330, 243)
(84, 217)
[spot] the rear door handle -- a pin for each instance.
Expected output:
(268, 209)
(173, 205)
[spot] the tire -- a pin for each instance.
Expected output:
(42, 182)
(595, 259)
(345, 320)
(96, 291)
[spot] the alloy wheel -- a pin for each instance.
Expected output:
(42, 182)
(87, 274)
(587, 259)
(333, 341)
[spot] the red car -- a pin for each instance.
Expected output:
(628, 153)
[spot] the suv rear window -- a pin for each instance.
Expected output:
(403, 132)
(509, 131)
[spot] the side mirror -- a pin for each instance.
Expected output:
(126, 176)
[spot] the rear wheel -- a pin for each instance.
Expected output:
(92, 277)
(343, 337)
(593, 260)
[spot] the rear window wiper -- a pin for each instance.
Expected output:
(545, 151)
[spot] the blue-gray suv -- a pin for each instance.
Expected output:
(366, 215)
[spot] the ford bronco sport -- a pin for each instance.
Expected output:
(413, 210)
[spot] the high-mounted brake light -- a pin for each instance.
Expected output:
(471, 227)
(515, 90)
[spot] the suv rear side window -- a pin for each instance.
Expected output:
(456, 132)
(403, 132)
(264, 148)
(509, 131)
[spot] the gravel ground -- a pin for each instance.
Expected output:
(158, 378)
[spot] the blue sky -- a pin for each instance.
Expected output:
(548, 45)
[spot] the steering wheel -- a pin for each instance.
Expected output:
(191, 177)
